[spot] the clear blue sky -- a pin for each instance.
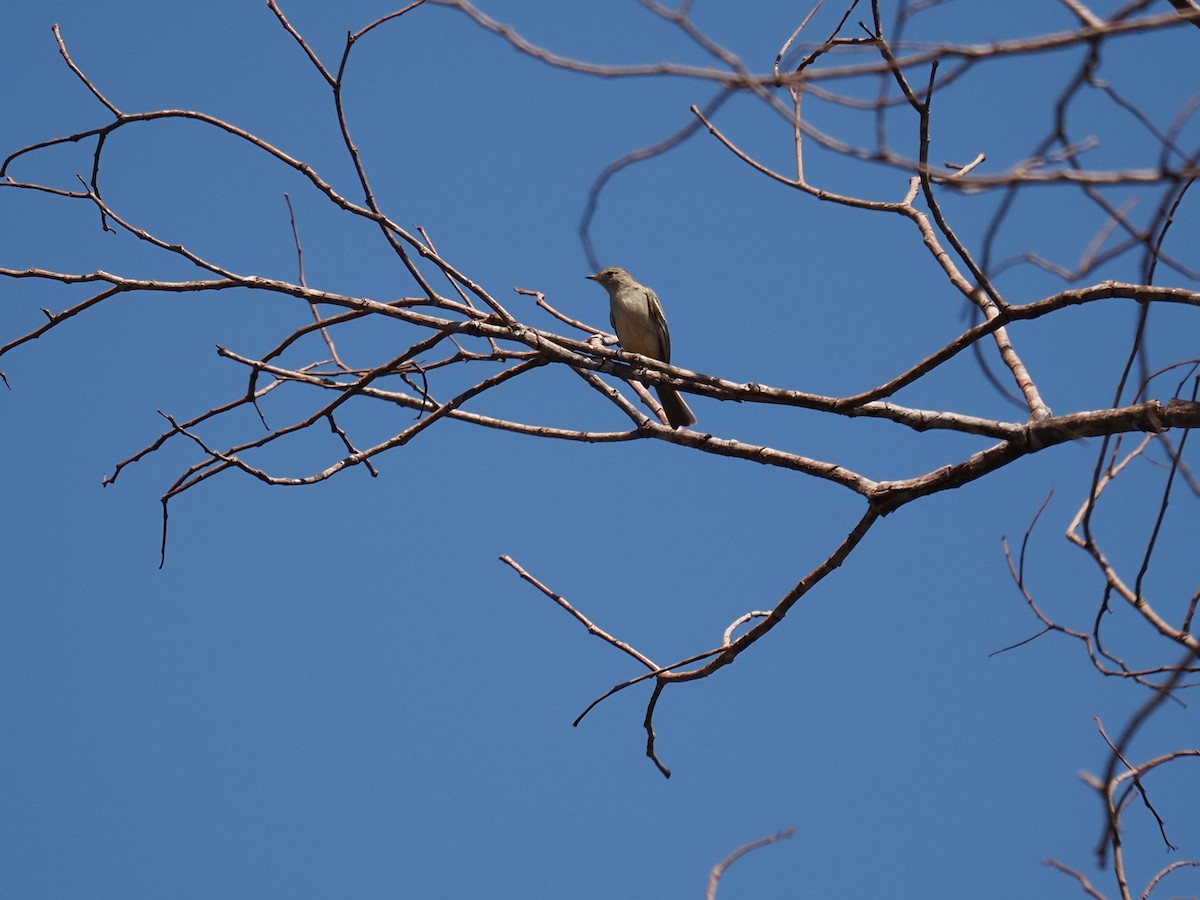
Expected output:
(339, 691)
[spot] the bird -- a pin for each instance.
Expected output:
(637, 318)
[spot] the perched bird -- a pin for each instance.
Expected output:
(637, 318)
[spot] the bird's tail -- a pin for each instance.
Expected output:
(679, 414)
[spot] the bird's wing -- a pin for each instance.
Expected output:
(660, 320)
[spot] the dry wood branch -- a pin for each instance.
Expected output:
(714, 877)
(583, 620)
(455, 350)
(1175, 866)
(1081, 536)
(1087, 886)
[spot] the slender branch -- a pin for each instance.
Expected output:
(714, 877)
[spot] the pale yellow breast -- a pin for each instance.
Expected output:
(635, 324)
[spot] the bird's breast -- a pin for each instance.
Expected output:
(636, 328)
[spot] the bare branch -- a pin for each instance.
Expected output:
(714, 877)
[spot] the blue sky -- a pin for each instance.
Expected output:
(338, 691)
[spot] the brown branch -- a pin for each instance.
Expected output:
(583, 620)
(648, 724)
(714, 877)
(1078, 876)
(1179, 864)
(446, 338)
(87, 82)
(308, 51)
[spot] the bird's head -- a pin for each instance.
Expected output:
(612, 277)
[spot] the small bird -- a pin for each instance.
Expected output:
(637, 317)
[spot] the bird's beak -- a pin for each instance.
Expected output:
(592, 277)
